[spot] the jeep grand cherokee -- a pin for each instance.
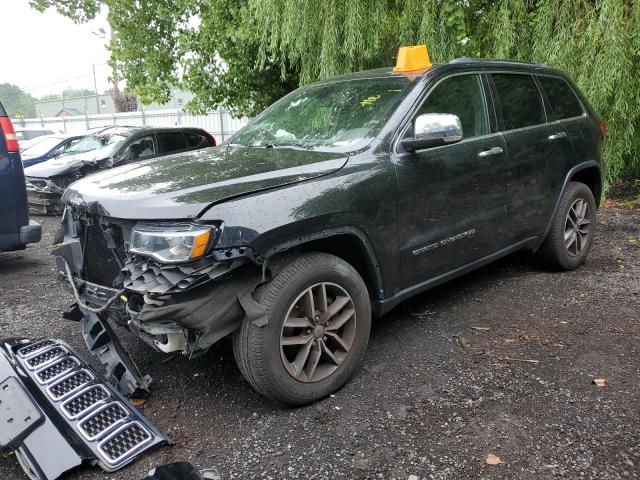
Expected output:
(338, 202)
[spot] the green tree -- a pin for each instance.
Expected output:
(17, 102)
(244, 54)
(77, 92)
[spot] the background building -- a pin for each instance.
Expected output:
(87, 105)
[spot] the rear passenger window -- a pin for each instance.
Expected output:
(564, 103)
(519, 100)
(171, 142)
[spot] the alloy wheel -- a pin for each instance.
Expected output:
(577, 227)
(317, 332)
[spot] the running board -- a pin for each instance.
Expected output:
(50, 398)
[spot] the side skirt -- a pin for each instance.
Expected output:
(380, 307)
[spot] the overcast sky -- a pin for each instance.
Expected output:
(46, 52)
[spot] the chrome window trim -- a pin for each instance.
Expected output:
(402, 130)
(577, 97)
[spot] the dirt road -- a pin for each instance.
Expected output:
(500, 361)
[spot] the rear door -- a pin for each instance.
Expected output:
(13, 195)
(567, 110)
(538, 152)
(171, 142)
(452, 198)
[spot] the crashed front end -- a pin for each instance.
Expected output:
(44, 195)
(173, 284)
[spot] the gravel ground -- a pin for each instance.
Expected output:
(435, 394)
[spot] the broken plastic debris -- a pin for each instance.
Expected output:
(600, 382)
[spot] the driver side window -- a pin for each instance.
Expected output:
(461, 95)
(138, 149)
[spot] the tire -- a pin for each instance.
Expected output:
(271, 367)
(554, 251)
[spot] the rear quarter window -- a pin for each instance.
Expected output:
(519, 100)
(197, 140)
(563, 100)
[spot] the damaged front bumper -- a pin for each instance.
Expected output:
(56, 414)
(44, 196)
(184, 307)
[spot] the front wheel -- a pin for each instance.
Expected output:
(572, 229)
(318, 323)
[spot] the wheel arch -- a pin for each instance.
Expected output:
(347, 243)
(589, 173)
(591, 176)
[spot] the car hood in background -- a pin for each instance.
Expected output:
(181, 186)
(63, 164)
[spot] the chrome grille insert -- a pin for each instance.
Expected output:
(33, 348)
(56, 370)
(123, 442)
(103, 420)
(96, 416)
(69, 384)
(45, 358)
(85, 400)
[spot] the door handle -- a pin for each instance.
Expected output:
(557, 136)
(490, 152)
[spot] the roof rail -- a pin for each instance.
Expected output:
(491, 60)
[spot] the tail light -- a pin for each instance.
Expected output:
(9, 134)
(212, 138)
(603, 129)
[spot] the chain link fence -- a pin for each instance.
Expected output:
(219, 123)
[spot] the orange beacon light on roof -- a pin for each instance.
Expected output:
(412, 58)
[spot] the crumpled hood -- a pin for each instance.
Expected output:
(181, 186)
(62, 164)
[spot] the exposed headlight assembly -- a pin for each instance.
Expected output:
(174, 243)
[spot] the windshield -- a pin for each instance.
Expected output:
(106, 142)
(339, 116)
(42, 147)
(27, 144)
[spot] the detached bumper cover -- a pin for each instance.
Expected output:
(62, 415)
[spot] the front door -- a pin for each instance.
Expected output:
(451, 206)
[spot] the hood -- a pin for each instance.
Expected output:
(63, 164)
(181, 186)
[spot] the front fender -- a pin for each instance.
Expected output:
(359, 200)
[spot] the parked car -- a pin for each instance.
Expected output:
(46, 147)
(338, 202)
(103, 150)
(16, 230)
(30, 133)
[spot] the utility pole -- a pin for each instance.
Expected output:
(95, 85)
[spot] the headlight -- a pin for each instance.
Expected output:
(172, 244)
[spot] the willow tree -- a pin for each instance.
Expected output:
(244, 54)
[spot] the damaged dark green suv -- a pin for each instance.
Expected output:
(338, 202)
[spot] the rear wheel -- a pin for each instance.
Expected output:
(318, 323)
(572, 229)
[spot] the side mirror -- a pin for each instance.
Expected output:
(433, 130)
